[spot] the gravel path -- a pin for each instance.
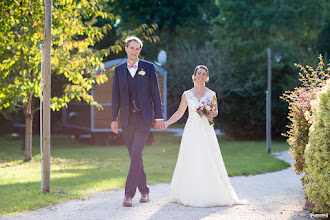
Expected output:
(277, 195)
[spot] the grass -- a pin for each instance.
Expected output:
(78, 170)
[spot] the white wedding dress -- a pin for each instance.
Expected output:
(200, 178)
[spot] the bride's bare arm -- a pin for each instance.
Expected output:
(179, 113)
(215, 112)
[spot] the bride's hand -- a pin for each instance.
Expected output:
(164, 127)
(211, 116)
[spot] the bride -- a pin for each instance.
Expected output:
(200, 178)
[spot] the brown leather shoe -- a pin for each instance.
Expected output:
(127, 201)
(144, 198)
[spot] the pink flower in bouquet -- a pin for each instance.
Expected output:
(206, 108)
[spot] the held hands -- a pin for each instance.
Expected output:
(165, 126)
(160, 125)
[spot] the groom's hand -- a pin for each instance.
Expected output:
(159, 124)
(114, 127)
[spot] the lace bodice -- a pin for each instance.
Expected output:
(194, 103)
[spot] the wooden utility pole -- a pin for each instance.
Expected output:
(268, 102)
(46, 96)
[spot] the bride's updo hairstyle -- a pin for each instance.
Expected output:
(195, 72)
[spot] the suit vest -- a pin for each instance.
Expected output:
(133, 92)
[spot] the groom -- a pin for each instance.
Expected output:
(135, 94)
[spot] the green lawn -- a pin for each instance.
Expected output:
(78, 170)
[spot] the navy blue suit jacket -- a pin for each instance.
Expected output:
(148, 94)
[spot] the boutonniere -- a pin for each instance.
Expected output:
(142, 73)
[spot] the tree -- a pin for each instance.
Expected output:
(174, 18)
(73, 56)
(244, 30)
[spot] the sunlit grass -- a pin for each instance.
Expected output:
(78, 170)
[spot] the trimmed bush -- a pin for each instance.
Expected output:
(300, 111)
(317, 153)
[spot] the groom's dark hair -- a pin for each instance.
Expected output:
(129, 39)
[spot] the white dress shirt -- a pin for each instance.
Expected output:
(132, 71)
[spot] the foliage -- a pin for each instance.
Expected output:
(189, 54)
(317, 153)
(175, 18)
(74, 59)
(300, 110)
(243, 31)
(22, 34)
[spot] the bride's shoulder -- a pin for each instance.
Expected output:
(189, 93)
(210, 92)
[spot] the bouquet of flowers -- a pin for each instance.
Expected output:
(206, 108)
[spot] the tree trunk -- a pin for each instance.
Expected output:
(309, 205)
(46, 97)
(28, 137)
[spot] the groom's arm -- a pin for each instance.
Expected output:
(115, 97)
(155, 94)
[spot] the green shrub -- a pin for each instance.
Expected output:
(317, 153)
(300, 109)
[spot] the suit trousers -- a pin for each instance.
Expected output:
(136, 134)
